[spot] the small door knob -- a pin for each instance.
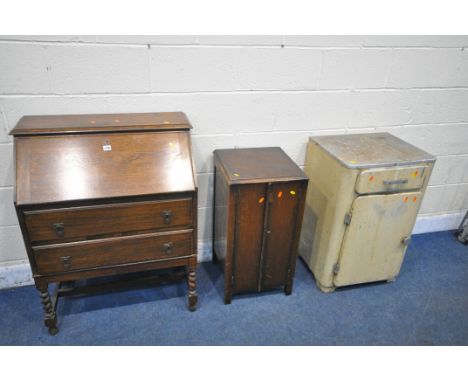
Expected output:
(167, 215)
(168, 248)
(59, 229)
(406, 240)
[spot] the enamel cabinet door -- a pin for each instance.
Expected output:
(376, 238)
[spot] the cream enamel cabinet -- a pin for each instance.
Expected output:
(364, 193)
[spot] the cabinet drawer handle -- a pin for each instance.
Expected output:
(59, 229)
(168, 248)
(397, 181)
(66, 261)
(167, 217)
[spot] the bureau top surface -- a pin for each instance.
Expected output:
(371, 150)
(90, 123)
(73, 167)
(258, 165)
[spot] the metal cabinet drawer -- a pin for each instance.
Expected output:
(391, 179)
(57, 258)
(80, 223)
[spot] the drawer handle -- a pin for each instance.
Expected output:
(59, 229)
(66, 261)
(167, 216)
(168, 247)
(397, 181)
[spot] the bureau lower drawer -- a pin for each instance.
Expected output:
(84, 222)
(57, 258)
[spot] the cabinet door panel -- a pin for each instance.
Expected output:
(280, 230)
(373, 246)
(250, 210)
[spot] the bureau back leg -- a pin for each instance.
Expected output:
(50, 316)
(192, 292)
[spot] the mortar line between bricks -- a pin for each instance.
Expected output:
(447, 185)
(426, 214)
(240, 91)
(452, 155)
(279, 45)
(314, 131)
(5, 120)
(9, 226)
(311, 131)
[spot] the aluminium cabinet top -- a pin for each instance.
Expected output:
(77, 157)
(257, 165)
(371, 150)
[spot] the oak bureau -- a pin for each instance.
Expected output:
(104, 195)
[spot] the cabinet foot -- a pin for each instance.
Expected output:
(214, 258)
(192, 292)
(227, 300)
(50, 317)
(324, 288)
(288, 289)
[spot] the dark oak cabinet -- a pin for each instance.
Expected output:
(106, 195)
(258, 209)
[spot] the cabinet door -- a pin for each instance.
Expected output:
(373, 246)
(279, 233)
(250, 211)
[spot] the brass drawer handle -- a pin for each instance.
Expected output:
(66, 261)
(168, 248)
(167, 217)
(59, 229)
(397, 181)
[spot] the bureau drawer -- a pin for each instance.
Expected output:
(58, 258)
(83, 222)
(392, 179)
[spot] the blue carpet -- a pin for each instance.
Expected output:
(427, 305)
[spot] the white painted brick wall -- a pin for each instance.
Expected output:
(4, 137)
(6, 165)
(7, 210)
(428, 68)
(233, 68)
(11, 244)
(23, 69)
(355, 68)
(246, 91)
(98, 69)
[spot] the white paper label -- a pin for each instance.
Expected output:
(107, 148)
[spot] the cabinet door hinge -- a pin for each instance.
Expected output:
(347, 218)
(336, 268)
